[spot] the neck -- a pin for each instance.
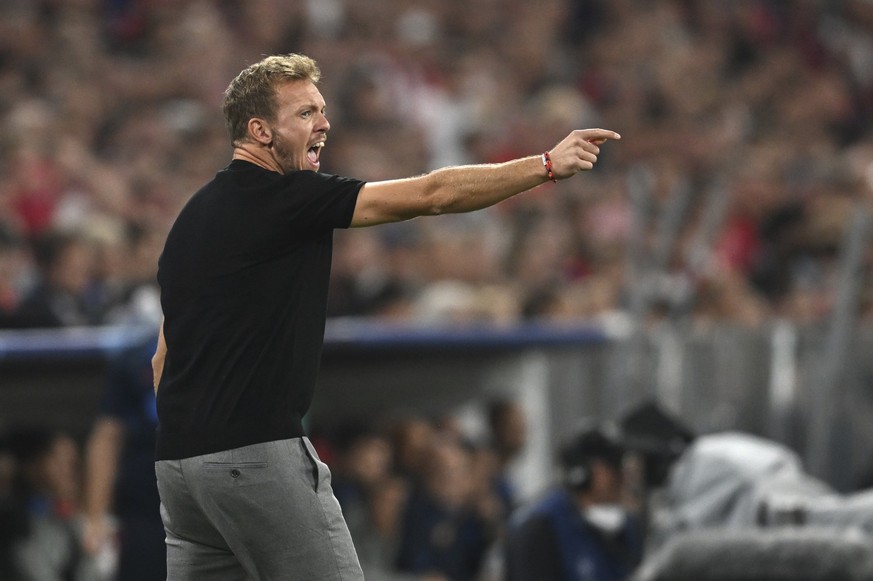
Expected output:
(258, 155)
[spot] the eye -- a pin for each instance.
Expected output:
(306, 114)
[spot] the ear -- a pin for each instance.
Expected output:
(260, 132)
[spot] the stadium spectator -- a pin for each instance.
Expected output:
(46, 489)
(579, 531)
(12, 261)
(121, 500)
(372, 499)
(442, 531)
(60, 298)
(13, 517)
(138, 298)
(508, 429)
(378, 549)
(780, 111)
(362, 459)
(411, 438)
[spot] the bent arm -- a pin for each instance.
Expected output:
(473, 187)
(159, 357)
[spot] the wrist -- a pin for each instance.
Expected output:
(547, 164)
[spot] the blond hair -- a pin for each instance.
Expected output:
(252, 93)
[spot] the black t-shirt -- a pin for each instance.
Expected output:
(244, 279)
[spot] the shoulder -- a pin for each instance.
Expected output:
(541, 509)
(557, 500)
(313, 179)
(534, 525)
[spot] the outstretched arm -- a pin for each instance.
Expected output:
(467, 188)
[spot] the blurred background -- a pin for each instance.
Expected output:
(715, 263)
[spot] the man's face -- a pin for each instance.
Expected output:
(72, 270)
(300, 128)
(607, 485)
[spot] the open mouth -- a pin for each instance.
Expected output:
(314, 152)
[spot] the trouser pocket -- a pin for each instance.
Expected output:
(320, 472)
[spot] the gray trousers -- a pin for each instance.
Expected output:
(264, 512)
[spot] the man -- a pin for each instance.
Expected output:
(578, 532)
(119, 470)
(508, 426)
(60, 297)
(443, 533)
(42, 536)
(244, 277)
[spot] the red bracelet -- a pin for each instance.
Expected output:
(547, 161)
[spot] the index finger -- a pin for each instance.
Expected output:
(598, 135)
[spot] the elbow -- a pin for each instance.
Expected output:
(438, 199)
(437, 208)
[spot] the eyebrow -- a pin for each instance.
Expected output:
(310, 107)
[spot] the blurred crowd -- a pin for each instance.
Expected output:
(110, 119)
(436, 499)
(423, 500)
(39, 504)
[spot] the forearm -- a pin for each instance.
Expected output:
(101, 460)
(468, 188)
(449, 190)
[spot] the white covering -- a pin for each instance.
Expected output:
(735, 480)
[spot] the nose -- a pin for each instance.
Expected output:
(324, 124)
